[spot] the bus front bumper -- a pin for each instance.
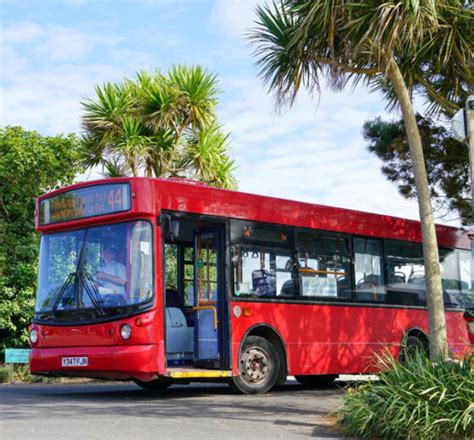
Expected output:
(140, 362)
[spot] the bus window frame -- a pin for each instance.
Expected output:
(350, 254)
(138, 308)
(299, 299)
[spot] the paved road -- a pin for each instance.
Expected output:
(124, 411)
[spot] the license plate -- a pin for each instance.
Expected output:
(82, 361)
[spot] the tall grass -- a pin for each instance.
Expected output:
(3, 374)
(414, 400)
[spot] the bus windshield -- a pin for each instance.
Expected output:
(95, 272)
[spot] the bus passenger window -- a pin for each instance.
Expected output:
(406, 273)
(262, 271)
(369, 279)
(456, 278)
(324, 267)
(466, 277)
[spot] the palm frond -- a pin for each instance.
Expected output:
(146, 126)
(199, 89)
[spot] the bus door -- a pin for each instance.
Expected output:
(209, 291)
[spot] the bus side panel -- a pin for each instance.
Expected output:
(458, 336)
(337, 339)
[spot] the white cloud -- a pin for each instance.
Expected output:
(234, 17)
(50, 100)
(21, 33)
(310, 153)
(64, 44)
(45, 80)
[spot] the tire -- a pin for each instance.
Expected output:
(155, 385)
(259, 366)
(317, 381)
(412, 347)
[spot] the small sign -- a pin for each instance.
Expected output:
(17, 355)
(200, 263)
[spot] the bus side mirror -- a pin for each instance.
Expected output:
(169, 228)
(164, 221)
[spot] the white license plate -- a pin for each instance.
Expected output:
(82, 361)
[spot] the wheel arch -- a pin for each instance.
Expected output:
(418, 333)
(269, 332)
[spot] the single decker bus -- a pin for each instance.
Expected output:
(166, 281)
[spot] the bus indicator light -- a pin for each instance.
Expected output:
(247, 311)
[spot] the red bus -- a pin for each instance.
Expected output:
(164, 281)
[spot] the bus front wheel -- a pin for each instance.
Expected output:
(317, 381)
(259, 366)
(155, 385)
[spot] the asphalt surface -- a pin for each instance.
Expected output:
(197, 411)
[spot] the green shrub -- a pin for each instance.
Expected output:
(414, 400)
(3, 375)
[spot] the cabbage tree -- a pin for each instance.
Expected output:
(161, 125)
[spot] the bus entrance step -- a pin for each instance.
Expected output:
(190, 373)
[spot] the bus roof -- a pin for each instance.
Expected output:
(151, 195)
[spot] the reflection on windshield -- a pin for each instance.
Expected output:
(98, 269)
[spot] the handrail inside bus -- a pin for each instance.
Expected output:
(213, 308)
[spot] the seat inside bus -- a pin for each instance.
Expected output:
(179, 336)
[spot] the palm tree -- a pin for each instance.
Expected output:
(396, 46)
(159, 125)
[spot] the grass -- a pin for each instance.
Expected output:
(22, 374)
(3, 375)
(415, 400)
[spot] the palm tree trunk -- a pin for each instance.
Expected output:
(437, 319)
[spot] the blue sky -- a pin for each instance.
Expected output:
(54, 52)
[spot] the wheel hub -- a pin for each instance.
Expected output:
(254, 365)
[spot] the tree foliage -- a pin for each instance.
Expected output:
(159, 125)
(300, 42)
(30, 164)
(447, 163)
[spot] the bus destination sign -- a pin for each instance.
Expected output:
(85, 202)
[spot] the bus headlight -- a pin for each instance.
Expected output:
(125, 331)
(34, 336)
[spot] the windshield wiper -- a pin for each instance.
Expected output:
(83, 276)
(93, 293)
(81, 280)
(61, 292)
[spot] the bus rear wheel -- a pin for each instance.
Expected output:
(259, 366)
(412, 347)
(316, 381)
(160, 384)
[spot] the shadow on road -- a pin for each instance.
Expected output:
(201, 400)
(290, 407)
